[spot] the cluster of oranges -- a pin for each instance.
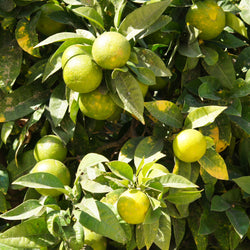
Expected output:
(83, 72)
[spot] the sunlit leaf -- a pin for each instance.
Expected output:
(236, 24)
(89, 13)
(121, 169)
(32, 233)
(97, 217)
(141, 18)
(214, 164)
(202, 116)
(130, 94)
(166, 112)
(149, 150)
(127, 151)
(24, 211)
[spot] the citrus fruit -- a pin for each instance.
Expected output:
(189, 145)
(50, 147)
(132, 206)
(161, 82)
(71, 51)
(151, 171)
(45, 24)
(94, 240)
(97, 104)
(82, 74)
(111, 50)
(208, 17)
(55, 167)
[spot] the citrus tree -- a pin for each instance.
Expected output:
(124, 124)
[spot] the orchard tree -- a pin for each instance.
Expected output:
(124, 124)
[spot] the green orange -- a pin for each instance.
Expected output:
(71, 51)
(82, 74)
(189, 145)
(133, 206)
(207, 17)
(55, 167)
(50, 147)
(45, 24)
(97, 104)
(111, 50)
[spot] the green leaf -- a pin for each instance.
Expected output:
(143, 75)
(97, 217)
(209, 88)
(239, 121)
(6, 131)
(166, 112)
(141, 18)
(179, 228)
(127, 151)
(119, 7)
(58, 104)
(41, 180)
(149, 59)
(150, 231)
(26, 35)
(121, 169)
(208, 223)
(90, 160)
(201, 241)
(228, 40)
(32, 233)
(22, 102)
(94, 186)
(202, 116)
(172, 181)
(241, 88)
(24, 211)
(214, 164)
(25, 162)
(10, 61)
(91, 14)
(236, 24)
(183, 197)
(149, 150)
(182, 168)
(86, 36)
(130, 94)
(239, 220)
(3, 205)
(219, 204)
(244, 183)
(245, 11)
(190, 47)
(223, 70)
(4, 181)
(163, 236)
(211, 55)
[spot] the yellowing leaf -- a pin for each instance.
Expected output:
(214, 164)
(166, 112)
(26, 36)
